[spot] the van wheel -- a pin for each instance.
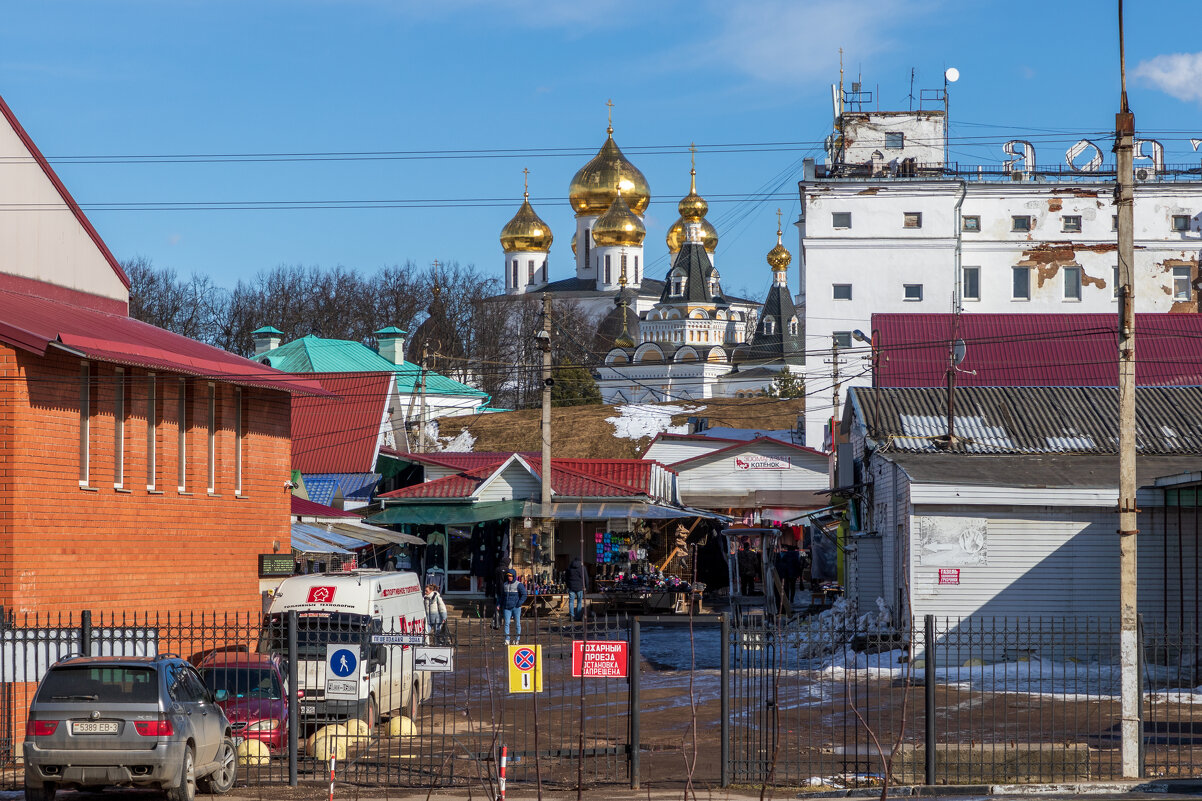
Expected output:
(44, 793)
(414, 696)
(371, 715)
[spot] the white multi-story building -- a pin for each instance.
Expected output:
(888, 225)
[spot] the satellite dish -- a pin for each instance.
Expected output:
(959, 351)
(1195, 143)
(952, 74)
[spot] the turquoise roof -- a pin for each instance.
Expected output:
(392, 329)
(267, 330)
(312, 354)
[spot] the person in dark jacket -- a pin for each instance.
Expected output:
(788, 565)
(748, 564)
(495, 588)
(510, 597)
(576, 580)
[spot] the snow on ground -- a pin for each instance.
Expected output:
(640, 420)
(464, 442)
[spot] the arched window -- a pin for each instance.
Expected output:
(530, 271)
(636, 269)
(793, 327)
(544, 270)
(608, 277)
(678, 285)
(769, 325)
(587, 239)
(515, 273)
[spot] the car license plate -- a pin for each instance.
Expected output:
(308, 709)
(94, 727)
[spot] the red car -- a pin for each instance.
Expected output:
(253, 697)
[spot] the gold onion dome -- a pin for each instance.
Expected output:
(692, 206)
(526, 231)
(595, 186)
(779, 257)
(677, 234)
(619, 226)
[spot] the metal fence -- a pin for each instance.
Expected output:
(825, 700)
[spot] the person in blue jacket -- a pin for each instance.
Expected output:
(510, 597)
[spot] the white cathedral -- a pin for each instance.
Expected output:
(675, 339)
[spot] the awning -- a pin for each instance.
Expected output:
(327, 534)
(448, 514)
(305, 543)
(617, 510)
(375, 534)
(824, 511)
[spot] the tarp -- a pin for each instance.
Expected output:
(461, 514)
(304, 542)
(376, 535)
(327, 534)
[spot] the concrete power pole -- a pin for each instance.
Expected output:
(544, 341)
(1131, 693)
(835, 387)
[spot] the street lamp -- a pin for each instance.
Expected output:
(872, 346)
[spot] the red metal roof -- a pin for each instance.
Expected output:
(565, 481)
(25, 138)
(35, 324)
(341, 433)
(1013, 350)
(302, 507)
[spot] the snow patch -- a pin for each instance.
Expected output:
(642, 420)
(463, 442)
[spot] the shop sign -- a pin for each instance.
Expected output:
(599, 659)
(753, 461)
(949, 575)
(276, 565)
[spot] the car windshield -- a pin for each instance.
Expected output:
(106, 683)
(243, 682)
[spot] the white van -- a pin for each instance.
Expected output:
(347, 609)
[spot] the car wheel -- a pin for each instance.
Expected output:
(371, 715)
(44, 793)
(186, 791)
(414, 697)
(222, 779)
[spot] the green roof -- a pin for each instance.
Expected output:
(312, 354)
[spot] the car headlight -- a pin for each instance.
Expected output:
(263, 725)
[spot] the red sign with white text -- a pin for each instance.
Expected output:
(949, 575)
(599, 660)
(321, 595)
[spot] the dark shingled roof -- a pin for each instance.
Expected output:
(780, 345)
(695, 263)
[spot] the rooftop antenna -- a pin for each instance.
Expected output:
(950, 76)
(911, 95)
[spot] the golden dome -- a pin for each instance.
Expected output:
(619, 226)
(676, 236)
(573, 244)
(692, 206)
(779, 257)
(526, 231)
(597, 183)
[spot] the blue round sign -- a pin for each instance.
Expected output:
(342, 663)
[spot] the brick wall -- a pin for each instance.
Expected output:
(69, 547)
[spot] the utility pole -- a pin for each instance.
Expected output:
(835, 392)
(1131, 692)
(421, 409)
(544, 341)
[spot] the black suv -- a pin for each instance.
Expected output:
(143, 721)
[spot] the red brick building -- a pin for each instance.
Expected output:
(139, 470)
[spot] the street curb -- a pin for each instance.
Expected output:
(1076, 788)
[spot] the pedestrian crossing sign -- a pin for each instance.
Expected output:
(525, 668)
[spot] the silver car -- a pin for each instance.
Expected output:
(144, 721)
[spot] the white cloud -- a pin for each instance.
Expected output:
(1176, 74)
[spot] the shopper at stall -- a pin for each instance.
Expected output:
(788, 566)
(748, 563)
(510, 597)
(576, 580)
(436, 612)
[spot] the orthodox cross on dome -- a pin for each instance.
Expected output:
(610, 125)
(778, 228)
(526, 182)
(437, 288)
(693, 156)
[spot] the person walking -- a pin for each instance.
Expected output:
(788, 565)
(510, 597)
(576, 580)
(747, 564)
(436, 613)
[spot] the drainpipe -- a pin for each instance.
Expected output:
(958, 290)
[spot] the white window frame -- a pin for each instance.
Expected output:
(211, 461)
(906, 293)
(85, 423)
(964, 273)
(181, 425)
(1181, 283)
(119, 428)
(152, 428)
(1072, 284)
(1015, 272)
(835, 291)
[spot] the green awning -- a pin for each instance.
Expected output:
(449, 514)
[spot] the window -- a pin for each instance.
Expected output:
(677, 285)
(181, 418)
(1114, 222)
(608, 275)
(842, 291)
(769, 325)
(1115, 284)
(238, 433)
(970, 283)
(636, 269)
(587, 239)
(515, 272)
(1181, 222)
(1072, 283)
(530, 271)
(1022, 284)
(211, 462)
(1071, 223)
(85, 422)
(841, 219)
(913, 291)
(793, 326)
(152, 426)
(1020, 222)
(894, 140)
(1181, 287)
(970, 223)
(841, 339)
(119, 428)
(912, 219)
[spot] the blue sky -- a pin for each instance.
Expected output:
(187, 77)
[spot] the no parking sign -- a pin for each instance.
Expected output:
(525, 668)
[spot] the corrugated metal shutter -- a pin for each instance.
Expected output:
(870, 582)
